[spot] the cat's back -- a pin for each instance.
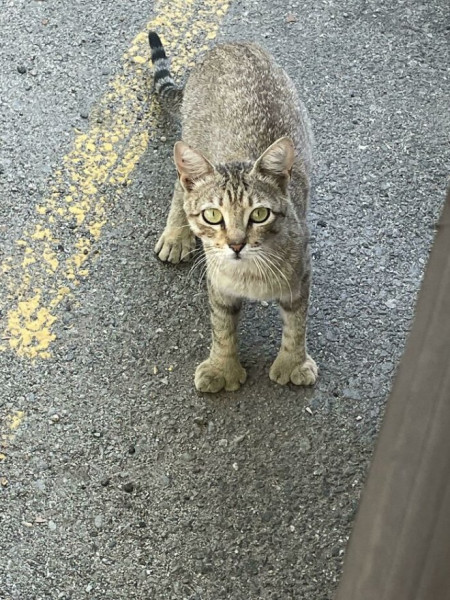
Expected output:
(238, 101)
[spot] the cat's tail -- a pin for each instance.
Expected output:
(170, 94)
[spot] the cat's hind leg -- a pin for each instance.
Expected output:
(177, 242)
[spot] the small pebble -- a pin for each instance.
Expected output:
(52, 525)
(40, 485)
(165, 480)
(304, 445)
(128, 487)
(22, 69)
(351, 393)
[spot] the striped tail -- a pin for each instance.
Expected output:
(170, 94)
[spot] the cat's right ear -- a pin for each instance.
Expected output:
(191, 165)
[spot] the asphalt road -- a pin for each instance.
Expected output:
(117, 479)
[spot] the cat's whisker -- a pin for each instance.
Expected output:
(265, 269)
(208, 265)
(277, 256)
(265, 276)
(282, 275)
(200, 259)
(258, 267)
(213, 266)
(201, 264)
(268, 265)
(202, 275)
(211, 262)
(193, 251)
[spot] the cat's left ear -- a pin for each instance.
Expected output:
(191, 165)
(277, 161)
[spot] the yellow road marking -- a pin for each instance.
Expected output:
(13, 422)
(42, 273)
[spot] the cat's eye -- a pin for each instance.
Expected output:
(260, 214)
(213, 216)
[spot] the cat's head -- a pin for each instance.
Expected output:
(237, 209)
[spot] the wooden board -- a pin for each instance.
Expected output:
(400, 545)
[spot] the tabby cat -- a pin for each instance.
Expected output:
(243, 186)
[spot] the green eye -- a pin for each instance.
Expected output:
(259, 215)
(213, 216)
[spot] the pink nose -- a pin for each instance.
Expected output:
(236, 247)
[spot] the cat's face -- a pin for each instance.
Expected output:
(237, 210)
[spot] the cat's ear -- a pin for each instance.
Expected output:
(277, 161)
(191, 165)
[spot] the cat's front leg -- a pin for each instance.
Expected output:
(293, 364)
(222, 370)
(177, 242)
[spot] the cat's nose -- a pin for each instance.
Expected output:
(237, 247)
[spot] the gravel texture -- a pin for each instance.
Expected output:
(122, 481)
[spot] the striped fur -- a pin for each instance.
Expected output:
(165, 86)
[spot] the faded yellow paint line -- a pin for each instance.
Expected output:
(46, 268)
(12, 423)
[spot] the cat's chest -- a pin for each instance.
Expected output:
(249, 281)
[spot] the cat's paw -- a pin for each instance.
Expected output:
(175, 245)
(215, 376)
(287, 368)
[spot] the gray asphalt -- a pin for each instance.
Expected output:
(145, 488)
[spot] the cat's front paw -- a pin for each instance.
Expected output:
(175, 245)
(287, 368)
(215, 376)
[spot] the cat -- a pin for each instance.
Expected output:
(243, 188)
